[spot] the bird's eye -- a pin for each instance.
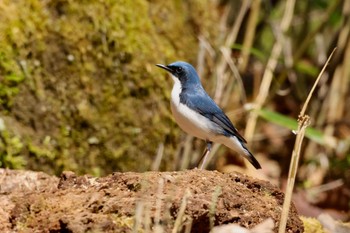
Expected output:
(178, 70)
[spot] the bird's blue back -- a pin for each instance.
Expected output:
(196, 98)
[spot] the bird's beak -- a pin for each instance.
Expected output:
(164, 67)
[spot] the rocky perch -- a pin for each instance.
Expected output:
(193, 200)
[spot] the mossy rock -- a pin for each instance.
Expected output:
(80, 87)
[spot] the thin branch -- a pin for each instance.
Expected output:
(302, 113)
(304, 121)
(270, 67)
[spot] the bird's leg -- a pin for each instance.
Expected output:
(205, 154)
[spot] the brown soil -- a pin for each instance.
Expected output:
(36, 202)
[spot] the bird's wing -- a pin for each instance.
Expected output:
(203, 104)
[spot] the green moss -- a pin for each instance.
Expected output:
(87, 87)
(10, 150)
(312, 225)
(10, 80)
(124, 221)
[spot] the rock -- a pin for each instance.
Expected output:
(159, 201)
(15, 183)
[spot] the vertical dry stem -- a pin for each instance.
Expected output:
(270, 67)
(250, 34)
(304, 121)
(180, 216)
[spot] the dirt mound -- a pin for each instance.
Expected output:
(120, 202)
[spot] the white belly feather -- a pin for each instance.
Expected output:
(197, 125)
(191, 122)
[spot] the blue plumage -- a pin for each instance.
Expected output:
(200, 102)
(198, 114)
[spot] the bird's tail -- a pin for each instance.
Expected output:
(238, 145)
(250, 157)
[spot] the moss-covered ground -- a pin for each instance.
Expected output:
(78, 86)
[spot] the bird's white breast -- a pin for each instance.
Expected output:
(197, 125)
(190, 121)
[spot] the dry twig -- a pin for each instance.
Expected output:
(304, 121)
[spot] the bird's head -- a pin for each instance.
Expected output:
(182, 71)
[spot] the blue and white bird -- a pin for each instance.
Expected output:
(198, 115)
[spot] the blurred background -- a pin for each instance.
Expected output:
(79, 89)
